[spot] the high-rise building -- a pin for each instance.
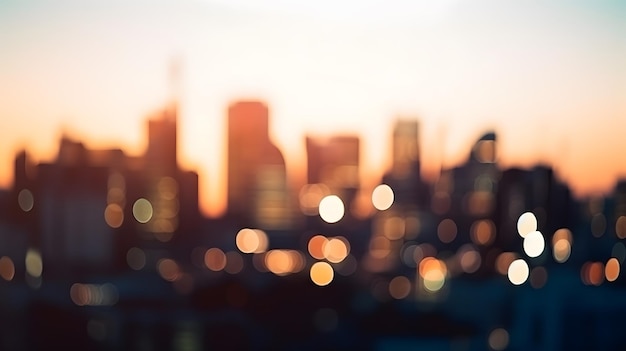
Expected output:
(162, 174)
(410, 191)
(334, 162)
(257, 180)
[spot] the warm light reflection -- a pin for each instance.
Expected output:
(316, 246)
(498, 339)
(234, 262)
(518, 272)
(433, 273)
(215, 259)
(251, 240)
(321, 273)
(483, 232)
(503, 262)
(168, 269)
(34, 264)
(394, 228)
(7, 268)
(331, 209)
(620, 227)
(447, 230)
(380, 247)
(561, 250)
(612, 269)
(136, 258)
(26, 200)
(336, 249)
(527, 223)
(310, 197)
(469, 259)
(382, 197)
(114, 215)
(399, 287)
(485, 151)
(592, 273)
(94, 294)
(283, 262)
(142, 210)
(534, 244)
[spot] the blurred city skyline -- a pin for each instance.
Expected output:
(550, 83)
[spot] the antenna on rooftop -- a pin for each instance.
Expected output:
(175, 76)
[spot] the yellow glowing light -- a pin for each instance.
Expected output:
(382, 197)
(331, 209)
(534, 244)
(7, 268)
(26, 200)
(34, 264)
(215, 259)
(399, 287)
(518, 272)
(279, 262)
(136, 258)
(316, 246)
(336, 250)
(114, 215)
(446, 231)
(526, 223)
(251, 240)
(620, 227)
(612, 269)
(142, 210)
(322, 273)
(433, 273)
(562, 233)
(561, 250)
(168, 269)
(498, 339)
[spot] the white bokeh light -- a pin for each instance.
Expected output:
(534, 244)
(331, 209)
(382, 197)
(527, 223)
(518, 272)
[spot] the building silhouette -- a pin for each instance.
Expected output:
(334, 162)
(82, 210)
(258, 194)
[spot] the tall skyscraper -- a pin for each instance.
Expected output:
(335, 163)
(162, 174)
(404, 177)
(257, 179)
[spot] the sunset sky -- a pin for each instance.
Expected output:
(548, 76)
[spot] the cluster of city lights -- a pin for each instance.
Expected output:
(94, 294)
